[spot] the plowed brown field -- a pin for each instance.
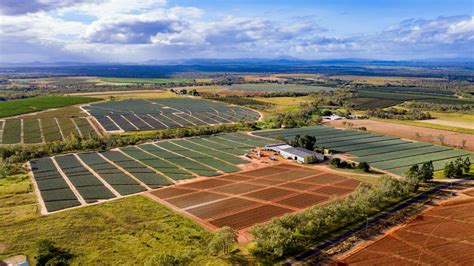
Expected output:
(443, 235)
(243, 199)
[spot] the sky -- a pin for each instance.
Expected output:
(142, 30)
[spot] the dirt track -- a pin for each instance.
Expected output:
(449, 138)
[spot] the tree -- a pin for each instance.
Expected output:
(449, 170)
(222, 240)
(364, 166)
(466, 165)
(427, 171)
(169, 259)
(336, 162)
(49, 254)
(414, 177)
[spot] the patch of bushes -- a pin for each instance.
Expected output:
(457, 168)
(49, 254)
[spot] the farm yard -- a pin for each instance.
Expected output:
(241, 200)
(46, 126)
(279, 88)
(156, 114)
(72, 180)
(386, 153)
(442, 235)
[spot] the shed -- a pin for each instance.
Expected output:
(301, 155)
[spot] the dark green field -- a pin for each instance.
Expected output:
(40, 103)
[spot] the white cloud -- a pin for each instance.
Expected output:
(149, 29)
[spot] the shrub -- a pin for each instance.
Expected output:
(49, 254)
(364, 166)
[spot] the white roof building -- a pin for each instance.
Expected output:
(301, 155)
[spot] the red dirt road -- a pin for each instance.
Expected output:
(453, 139)
(243, 199)
(443, 235)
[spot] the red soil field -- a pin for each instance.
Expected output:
(241, 200)
(443, 235)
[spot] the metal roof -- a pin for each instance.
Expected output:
(301, 152)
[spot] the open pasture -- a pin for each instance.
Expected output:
(441, 235)
(71, 180)
(279, 88)
(156, 114)
(243, 199)
(386, 153)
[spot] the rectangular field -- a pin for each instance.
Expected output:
(243, 199)
(386, 153)
(156, 114)
(98, 176)
(46, 126)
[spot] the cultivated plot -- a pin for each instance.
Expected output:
(443, 235)
(156, 114)
(386, 153)
(66, 181)
(46, 126)
(243, 199)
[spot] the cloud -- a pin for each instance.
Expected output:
(131, 30)
(19, 7)
(121, 30)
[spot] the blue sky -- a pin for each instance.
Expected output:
(135, 31)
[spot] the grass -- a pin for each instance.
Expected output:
(40, 103)
(283, 104)
(279, 88)
(146, 80)
(120, 232)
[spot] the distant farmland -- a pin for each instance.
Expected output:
(279, 88)
(386, 153)
(40, 103)
(156, 114)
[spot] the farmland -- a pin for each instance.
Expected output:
(47, 126)
(416, 131)
(381, 97)
(36, 104)
(134, 115)
(122, 232)
(386, 153)
(279, 88)
(441, 235)
(81, 179)
(240, 200)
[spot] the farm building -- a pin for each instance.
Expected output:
(295, 153)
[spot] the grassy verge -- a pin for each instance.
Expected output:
(40, 103)
(120, 232)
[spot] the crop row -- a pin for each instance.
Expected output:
(34, 130)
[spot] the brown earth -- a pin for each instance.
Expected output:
(436, 136)
(443, 235)
(243, 199)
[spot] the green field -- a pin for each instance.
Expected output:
(279, 88)
(40, 103)
(116, 233)
(158, 81)
(381, 152)
(129, 170)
